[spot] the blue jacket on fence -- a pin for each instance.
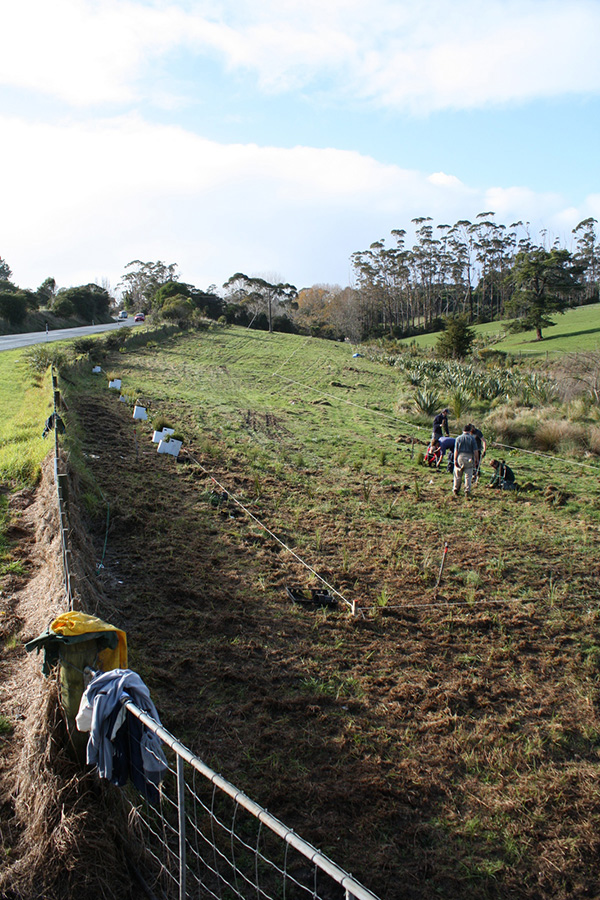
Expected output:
(119, 744)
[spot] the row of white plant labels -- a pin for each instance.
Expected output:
(162, 438)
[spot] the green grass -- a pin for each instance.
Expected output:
(26, 403)
(577, 330)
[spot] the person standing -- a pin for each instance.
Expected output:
(481, 442)
(466, 459)
(440, 425)
(481, 446)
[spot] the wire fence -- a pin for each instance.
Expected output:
(205, 838)
(61, 481)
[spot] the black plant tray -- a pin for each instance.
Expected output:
(311, 597)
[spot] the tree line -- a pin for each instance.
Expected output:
(86, 303)
(470, 271)
(479, 270)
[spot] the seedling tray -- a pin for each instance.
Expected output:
(311, 597)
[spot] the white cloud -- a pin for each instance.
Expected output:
(450, 181)
(80, 201)
(392, 53)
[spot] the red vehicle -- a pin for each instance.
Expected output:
(140, 317)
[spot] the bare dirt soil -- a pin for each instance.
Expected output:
(430, 751)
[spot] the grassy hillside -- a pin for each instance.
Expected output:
(576, 330)
(442, 741)
(26, 402)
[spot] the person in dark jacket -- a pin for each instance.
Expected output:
(504, 477)
(446, 443)
(440, 425)
(481, 442)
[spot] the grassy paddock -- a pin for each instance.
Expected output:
(576, 330)
(419, 742)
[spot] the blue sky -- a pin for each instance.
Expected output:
(277, 138)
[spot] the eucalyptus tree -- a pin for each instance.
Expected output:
(141, 283)
(425, 265)
(382, 275)
(588, 255)
(260, 295)
(372, 271)
(495, 246)
(403, 289)
(462, 244)
(47, 291)
(484, 231)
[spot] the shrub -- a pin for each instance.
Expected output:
(83, 346)
(177, 309)
(63, 307)
(115, 339)
(41, 356)
(13, 306)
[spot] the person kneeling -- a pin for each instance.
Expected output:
(504, 477)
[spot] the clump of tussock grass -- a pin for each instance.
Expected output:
(70, 824)
(594, 440)
(578, 410)
(508, 429)
(559, 434)
(159, 422)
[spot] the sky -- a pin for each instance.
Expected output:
(278, 137)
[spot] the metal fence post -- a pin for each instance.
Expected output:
(181, 821)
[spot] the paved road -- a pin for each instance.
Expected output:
(13, 341)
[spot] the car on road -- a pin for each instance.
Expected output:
(140, 317)
(123, 314)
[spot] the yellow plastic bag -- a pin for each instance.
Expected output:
(72, 623)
